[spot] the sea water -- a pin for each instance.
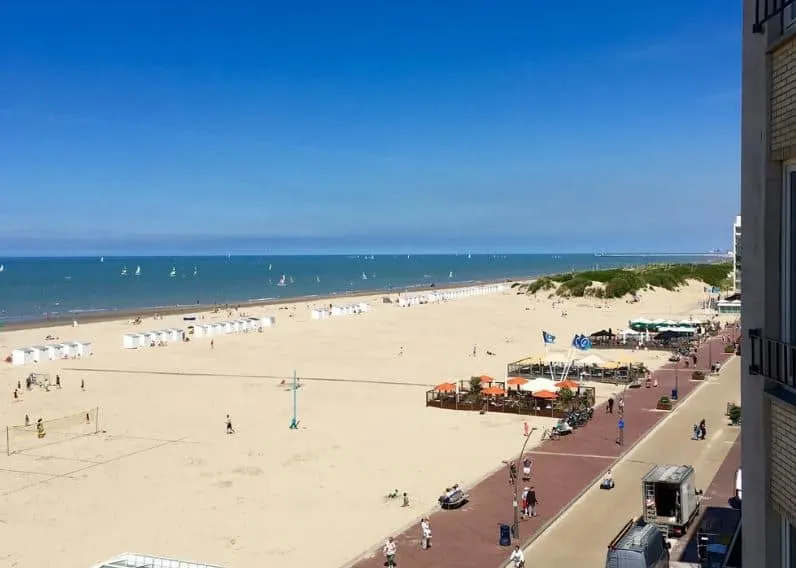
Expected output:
(43, 288)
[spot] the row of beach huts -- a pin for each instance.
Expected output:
(334, 311)
(49, 352)
(445, 295)
(163, 336)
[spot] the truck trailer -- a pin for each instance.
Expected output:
(671, 500)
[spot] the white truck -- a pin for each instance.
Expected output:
(671, 500)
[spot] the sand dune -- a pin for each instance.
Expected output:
(164, 478)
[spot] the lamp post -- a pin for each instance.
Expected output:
(515, 527)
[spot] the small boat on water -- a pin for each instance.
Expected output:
(364, 276)
(317, 279)
(102, 259)
(195, 271)
(2, 267)
(124, 271)
(173, 272)
(138, 271)
(450, 274)
(282, 281)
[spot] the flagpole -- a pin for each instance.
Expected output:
(549, 362)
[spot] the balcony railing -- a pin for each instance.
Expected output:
(772, 359)
(766, 10)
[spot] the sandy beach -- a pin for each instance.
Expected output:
(163, 478)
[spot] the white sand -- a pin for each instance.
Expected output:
(165, 479)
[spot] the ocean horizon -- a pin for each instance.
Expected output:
(41, 288)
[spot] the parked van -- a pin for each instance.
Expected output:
(638, 545)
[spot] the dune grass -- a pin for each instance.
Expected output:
(618, 282)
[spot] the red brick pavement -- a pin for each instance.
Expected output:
(563, 469)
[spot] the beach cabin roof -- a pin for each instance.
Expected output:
(130, 560)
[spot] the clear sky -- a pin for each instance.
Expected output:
(532, 126)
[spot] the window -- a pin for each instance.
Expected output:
(788, 258)
(790, 15)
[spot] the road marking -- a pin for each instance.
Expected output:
(595, 456)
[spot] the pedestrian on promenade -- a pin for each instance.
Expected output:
(390, 550)
(524, 502)
(425, 533)
(609, 409)
(517, 557)
(621, 427)
(532, 501)
(621, 405)
(526, 469)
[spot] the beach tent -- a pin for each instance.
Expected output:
(590, 361)
(131, 341)
(539, 384)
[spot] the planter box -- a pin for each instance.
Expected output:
(664, 406)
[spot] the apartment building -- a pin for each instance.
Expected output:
(768, 209)
(736, 254)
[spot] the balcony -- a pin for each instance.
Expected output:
(766, 10)
(772, 359)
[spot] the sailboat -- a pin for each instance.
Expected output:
(317, 279)
(450, 274)
(364, 276)
(2, 267)
(124, 271)
(269, 268)
(102, 259)
(292, 281)
(195, 270)
(281, 281)
(138, 271)
(173, 272)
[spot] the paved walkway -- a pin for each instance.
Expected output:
(562, 470)
(599, 515)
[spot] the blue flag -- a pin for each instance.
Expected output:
(548, 338)
(581, 343)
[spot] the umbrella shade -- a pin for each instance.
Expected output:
(493, 391)
(445, 387)
(611, 365)
(516, 381)
(547, 395)
(567, 384)
(486, 379)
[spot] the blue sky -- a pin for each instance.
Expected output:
(533, 126)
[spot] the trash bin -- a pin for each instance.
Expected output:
(674, 394)
(505, 535)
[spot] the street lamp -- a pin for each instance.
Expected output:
(515, 527)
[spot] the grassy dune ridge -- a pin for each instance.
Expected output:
(619, 282)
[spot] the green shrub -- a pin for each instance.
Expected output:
(697, 376)
(735, 414)
(729, 348)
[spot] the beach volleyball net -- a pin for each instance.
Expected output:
(53, 430)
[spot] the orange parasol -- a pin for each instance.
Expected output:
(545, 394)
(445, 387)
(493, 391)
(486, 379)
(516, 381)
(568, 384)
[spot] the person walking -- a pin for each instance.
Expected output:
(610, 407)
(621, 427)
(524, 502)
(230, 429)
(390, 549)
(425, 533)
(532, 501)
(517, 557)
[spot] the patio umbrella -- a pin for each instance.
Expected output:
(493, 391)
(445, 387)
(486, 379)
(516, 381)
(547, 395)
(567, 384)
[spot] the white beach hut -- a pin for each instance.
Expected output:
(42, 353)
(131, 341)
(219, 328)
(176, 334)
(63, 350)
(21, 355)
(84, 348)
(150, 337)
(268, 321)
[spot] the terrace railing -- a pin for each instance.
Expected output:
(772, 359)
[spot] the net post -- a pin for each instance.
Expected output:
(8, 441)
(96, 420)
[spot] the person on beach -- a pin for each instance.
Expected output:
(475, 350)
(425, 533)
(401, 351)
(27, 420)
(58, 381)
(517, 557)
(406, 500)
(230, 429)
(389, 550)
(82, 384)
(16, 395)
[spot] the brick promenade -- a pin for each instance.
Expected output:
(563, 469)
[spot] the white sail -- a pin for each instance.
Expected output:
(364, 276)
(173, 272)
(2, 267)
(282, 281)
(124, 271)
(138, 271)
